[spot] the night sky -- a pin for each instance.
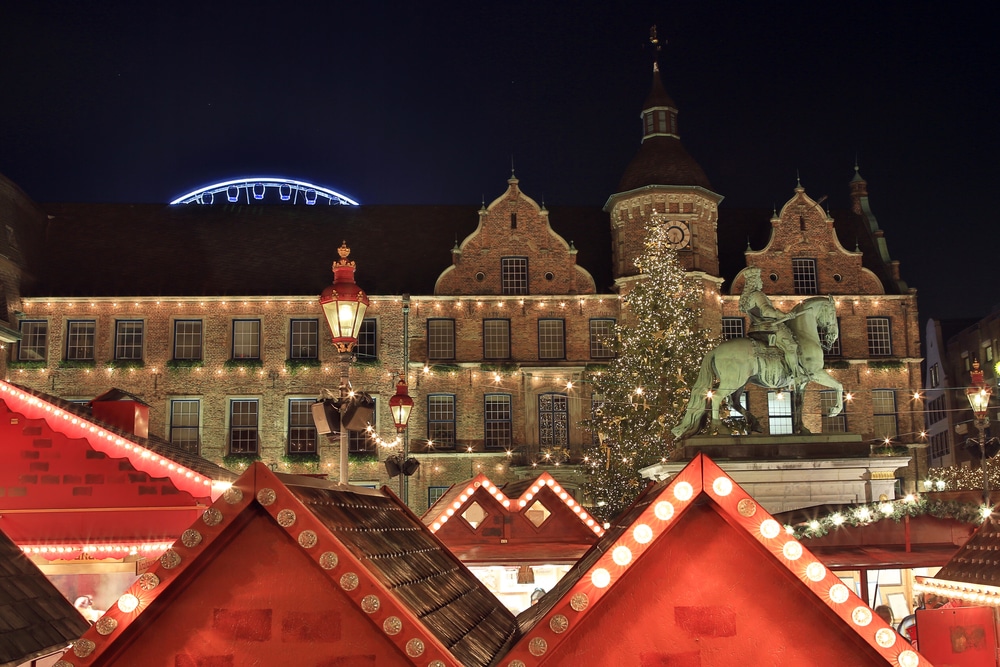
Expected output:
(427, 102)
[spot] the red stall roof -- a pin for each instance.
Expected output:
(973, 574)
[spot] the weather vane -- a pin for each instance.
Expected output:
(655, 41)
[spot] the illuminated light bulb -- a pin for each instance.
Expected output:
(722, 486)
(522, 503)
(642, 533)
(600, 577)
(770, 529)
(622, 555)
(885, 508)
(550, 482)
(910, 498)
(861, 616)
(683, 491)
(792, 550)
(839, 593)
(916, 395)
(128, 603)
(864, 514)
(709, 394)
(435, 526)
(848, 396)
(506, 503)
(837, 519)
(638, 391)
(986, 512)
(449, 512)
(663, 510)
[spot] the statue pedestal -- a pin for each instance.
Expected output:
(791, 472)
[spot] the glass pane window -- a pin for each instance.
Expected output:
(732, 327)
(441, 420)
(246, 339)
(440, 339)
(434, 494)
(34, 340)
(362, 442)
(553, 420)
(879, 340)
(367, 337)
(496, 339)
(243, 420)
(514, 275)
(838, 424)
(834, 350)
(303, 336)
(551, 339)
(779, 412)
(187, 340)
(498, 422)
(128, 339)
(80, 340)
(884, 411)
(804, 276)
(602, 337)
(301, 429)
(185, 422)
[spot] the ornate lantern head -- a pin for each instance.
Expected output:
(344, 303)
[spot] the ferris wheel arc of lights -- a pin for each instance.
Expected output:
(250, 190)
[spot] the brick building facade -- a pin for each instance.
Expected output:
(210, 313)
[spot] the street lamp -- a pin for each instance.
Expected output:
(400, 406)
(979, 398)
(344, 306)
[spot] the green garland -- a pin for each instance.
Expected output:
(896, 510)
(236, 364)
(176, 365)
(77, 363)
(293, 366)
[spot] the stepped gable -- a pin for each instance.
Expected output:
(696, 573)
(480, 523)
(294, 570)
(239, 250)
(36, 619)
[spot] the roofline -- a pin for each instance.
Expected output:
(628, 193)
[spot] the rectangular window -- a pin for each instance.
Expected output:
(838, 424)
(440, 339)
(187, 340)
(935, 410)
(779, 412)
(80, 340)
(34, 340)
(732, 327)
(551, 339)
(988, 353)
(884, 411)
(243, 420)
(514, 275)
(301, 429)
(185, 423)
(934, 376)
(879, 340)
(361, 442)
(303, 336)
(434, 494)
(553, 420)
(441, 420)
(804, 276)
(602, 337)
(366, 347)
(128, 339)
(496, 339)
(939, 445)
(498, 421)
(834, 350)
(246, 339)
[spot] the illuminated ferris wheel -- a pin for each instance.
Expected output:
(265, 191)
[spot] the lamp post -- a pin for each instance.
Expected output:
(344, 306)
(979, 398)
(400, 405)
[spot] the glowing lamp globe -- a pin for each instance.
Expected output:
(344, 303)
(400, 405)
(979, 393)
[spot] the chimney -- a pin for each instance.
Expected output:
(122, 410)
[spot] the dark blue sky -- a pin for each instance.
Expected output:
(405, 102)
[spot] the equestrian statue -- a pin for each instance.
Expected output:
(782, 350)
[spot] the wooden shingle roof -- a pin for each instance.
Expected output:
(973, 574)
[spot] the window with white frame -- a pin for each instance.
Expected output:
(128, 340)
(246, 339)
(301, 429)
(498, 422)
(836, 424)
(441, 420)
(187, 340)
(362, 442)
(367, 345)
(553, 420)
(440, 339)
(732, 327)
(434, 494)
(935, 375)
(185, 423)
(987, 353)
(834, 350)
(80, 340)
(884, 412)
(496, 339)
(243, 426)
(551, 339)
(879, 339)
(514, 275)
(602, 336)
(804, 276)
(34, 340)
(779, 412)
(303, 338)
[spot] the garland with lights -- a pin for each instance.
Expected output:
(963, 478)
(896, 510)
(643, 391)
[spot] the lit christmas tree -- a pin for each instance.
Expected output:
(643, 392)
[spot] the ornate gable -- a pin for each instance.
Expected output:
(514, 250)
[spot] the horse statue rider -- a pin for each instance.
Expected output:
(767, 323)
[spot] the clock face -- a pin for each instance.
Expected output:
(678, 234)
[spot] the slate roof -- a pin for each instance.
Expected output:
(35, 619)
(372, 548)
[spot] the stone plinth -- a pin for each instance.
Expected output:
(823, 445)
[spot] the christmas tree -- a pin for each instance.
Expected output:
(643, 392)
